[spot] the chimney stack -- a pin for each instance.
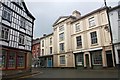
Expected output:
(76, 14)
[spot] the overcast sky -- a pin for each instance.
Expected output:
(47, 12)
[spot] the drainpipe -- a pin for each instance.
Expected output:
(113, 51)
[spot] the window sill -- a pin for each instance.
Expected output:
(94, 44)
(6, 19)
(79, 47)
(61, 51)
(92, 26)
(21, 44)
(97, 64)
(62, 64)
(4, 40)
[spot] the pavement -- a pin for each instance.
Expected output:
(19, 75)
(65, 73)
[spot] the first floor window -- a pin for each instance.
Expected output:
(3, 58)
(42, 51)
(61, 37)
(93, 37)
(21, 60)
(62, 59)
(79, 59)
(4, 33)
(50, 50)
(11, 60)
(79, 42)
(97, 58)
(61, 47)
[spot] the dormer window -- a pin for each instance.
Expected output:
(7, 14)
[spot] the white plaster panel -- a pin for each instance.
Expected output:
(6, 22)
(3, 43)
(22, 30)
(21, 47)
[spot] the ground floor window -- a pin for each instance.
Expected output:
(62, 59)
(96, 58)
(3, 58)
(79, 59)
(12, 60)
(21, 60)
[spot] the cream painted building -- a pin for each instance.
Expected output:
(46, 50)
(82, 41)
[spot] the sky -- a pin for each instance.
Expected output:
(47, 12)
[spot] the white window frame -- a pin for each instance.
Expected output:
(91, 21)
(61, 28)
(51, 41)
(77, 27)
(79, 42)
(94, 37)
(62, 60)
(61, 36)
(62, 47)
(95, 57)
(79, 59)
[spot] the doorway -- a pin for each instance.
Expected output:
(87, 61)
(109, 59)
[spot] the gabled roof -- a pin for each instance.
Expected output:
(62, 18)
(27, 11)
(23, 6)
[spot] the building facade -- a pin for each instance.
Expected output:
(83, 41)
(16, 33)
(46, 50)
(114, 16)
(35, 52)
(91, 40)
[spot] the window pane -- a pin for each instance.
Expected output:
(91, 21)
(61, 47)
(79, 59)
(11, 60)
(62, 59)
(21, 60)
(3, 58)
(61, 37)
(77, 27)
(93, 37)
(97, 57)
(79, 42)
